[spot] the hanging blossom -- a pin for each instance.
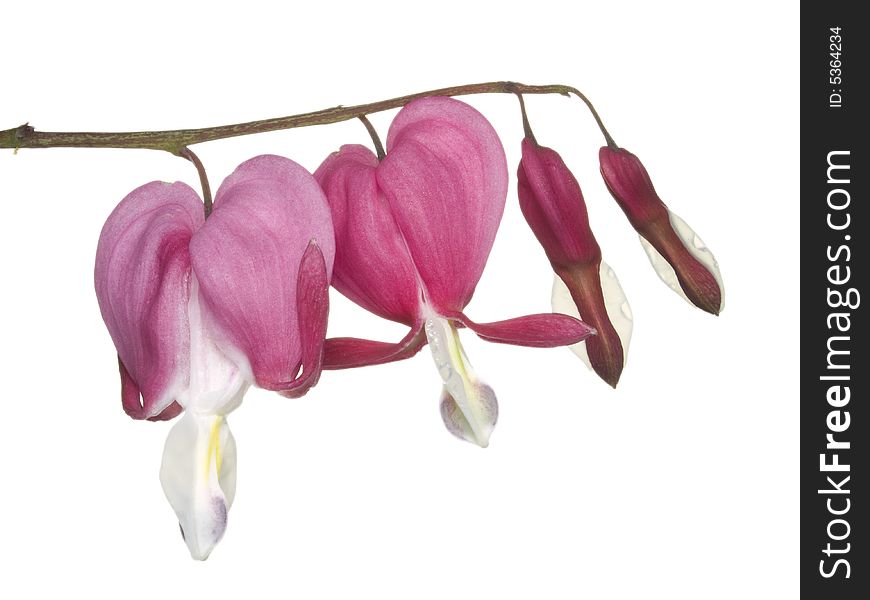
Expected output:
(201, 310)
(413, 233)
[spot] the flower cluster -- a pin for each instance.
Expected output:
(201, 309)
(584, 285)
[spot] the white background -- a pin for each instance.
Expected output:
(682, 483)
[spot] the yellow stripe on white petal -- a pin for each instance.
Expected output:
(615, 304)
(696, 247)
(468, 406)
(198, 474)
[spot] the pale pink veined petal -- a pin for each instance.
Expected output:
(247, 260)
(445, 177)
(347, 352)
(142, 281)
(372, 264)
(546, 330)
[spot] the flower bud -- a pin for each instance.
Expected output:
(553, 205)
(679, 256)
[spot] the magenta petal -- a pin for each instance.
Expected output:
(372, 264)
(347, 353)
(547, 330)
(312, 300)
(445, 177)
(131, 399)
(247, 259)
(142, 281)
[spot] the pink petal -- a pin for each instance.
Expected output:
(372, 264)
(347, 353)
(142, 281)
(546, 330)
(445, 177)
(247, 260)
(312, 301)
(131, 399)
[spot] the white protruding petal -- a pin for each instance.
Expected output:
(696, 248)
(468, 407)
(615, 303)
(198, 474)
(219, 375)
(455, 421)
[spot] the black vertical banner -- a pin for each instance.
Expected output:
(834, 370)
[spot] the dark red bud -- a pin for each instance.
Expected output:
(630, 184)
(553, 205)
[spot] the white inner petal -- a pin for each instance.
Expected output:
(198, 470)
(454, 419)
(474, 399)
(198, 474)
(219, 376)
(696, 248)
(615, 303)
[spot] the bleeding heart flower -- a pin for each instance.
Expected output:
(584, 285)
(676, 252)
(200, 310)
(413, 234)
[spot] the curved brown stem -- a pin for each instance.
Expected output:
(175, 141)
(203, 179)
(376, 139)
(527, 128)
